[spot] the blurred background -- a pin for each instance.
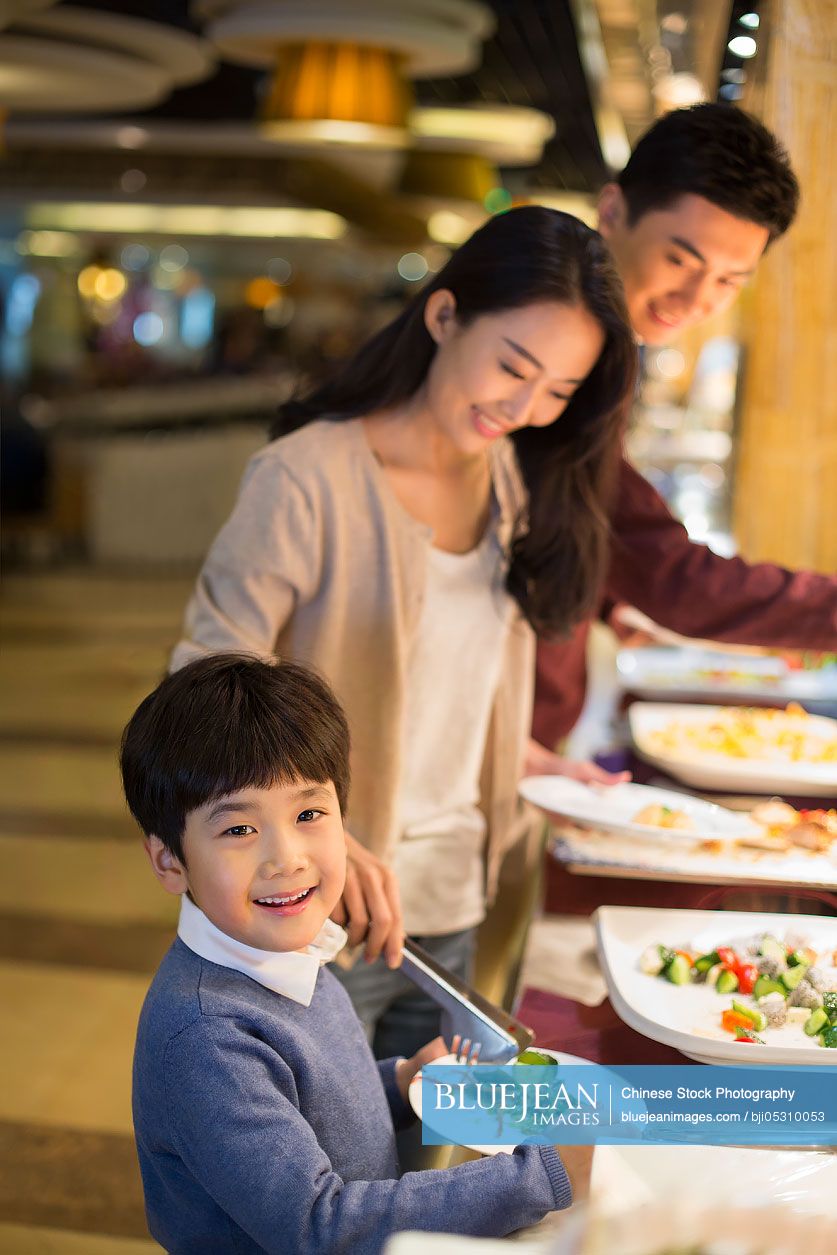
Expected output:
(204, 203)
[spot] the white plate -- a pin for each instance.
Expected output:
(705, 770)
(694, 672)
(414, 1092)
(688, 1016)
(612, 810)
(611, 854)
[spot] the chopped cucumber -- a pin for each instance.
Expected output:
(816, 1020)
(797, 959)
(538, 1058)
(678, 971)
(791, 978)
(727, 982)
(757, 1018)
(766, 985)
(705, 961)
(772, 949)
(828, 1037)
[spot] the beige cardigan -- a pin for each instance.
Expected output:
(319, 562)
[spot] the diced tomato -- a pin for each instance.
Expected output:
(747, 974)
(744, 1037)
(727, 956)
(733, 1021)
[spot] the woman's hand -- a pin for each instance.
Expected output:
(370, 907)
(406, 1069)
(539, 761)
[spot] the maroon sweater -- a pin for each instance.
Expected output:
(689, 589)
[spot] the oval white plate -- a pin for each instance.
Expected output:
(705, 770)
(612, 810)
(414, 1092)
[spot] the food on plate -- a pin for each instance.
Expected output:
(780, 736)
(807, 660)
(788, 982)
(537, 1058)
(774, 814)
(659, 816)
(783, 828)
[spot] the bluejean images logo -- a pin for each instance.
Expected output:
(493, 1105)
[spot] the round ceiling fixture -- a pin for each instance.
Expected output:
(506, 135)
(343, 68)
(75, 60)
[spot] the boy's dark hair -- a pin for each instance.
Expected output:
(719, 152)
(224, 723)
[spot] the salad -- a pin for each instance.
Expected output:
(775, 982)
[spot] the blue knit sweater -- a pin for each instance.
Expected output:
(264, 1125)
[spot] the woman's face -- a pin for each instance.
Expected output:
(518, 368)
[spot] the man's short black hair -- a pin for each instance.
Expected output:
(719, 152)
(224, 723)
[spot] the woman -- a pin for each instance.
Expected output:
(422, 515)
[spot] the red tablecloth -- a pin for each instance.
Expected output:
(594, 1033)
(567, 893)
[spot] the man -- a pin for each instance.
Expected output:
(705, 192)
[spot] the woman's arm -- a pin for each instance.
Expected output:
(539, 761)
(265, 561)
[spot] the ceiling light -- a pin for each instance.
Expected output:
(343, 72)
(743, 46)
(750, 20)
(447, 227)
(185, 220)
(412, 267)
(506, 135)
(677, 91)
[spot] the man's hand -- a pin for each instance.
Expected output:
(370, 907)
(406, 1069)
(540, 761)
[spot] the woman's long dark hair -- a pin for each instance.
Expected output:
(527, 255)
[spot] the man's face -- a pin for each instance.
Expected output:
(680, 264)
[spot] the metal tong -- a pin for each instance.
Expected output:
(465, 1013)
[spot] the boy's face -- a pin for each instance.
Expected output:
(266, 866)
(680, 264)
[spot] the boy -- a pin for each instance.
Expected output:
(262, 1121)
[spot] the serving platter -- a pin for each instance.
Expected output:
(614, 809)
(705, 747)
(687, 1017)
(691, 672)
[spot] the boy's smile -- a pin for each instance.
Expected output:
(266, 866)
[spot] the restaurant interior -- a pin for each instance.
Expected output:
(207, 204)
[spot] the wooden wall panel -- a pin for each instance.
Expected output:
(786, 488)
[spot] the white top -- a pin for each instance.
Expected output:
(454, 666)
(292, 973)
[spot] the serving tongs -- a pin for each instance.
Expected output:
(465, 1013)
